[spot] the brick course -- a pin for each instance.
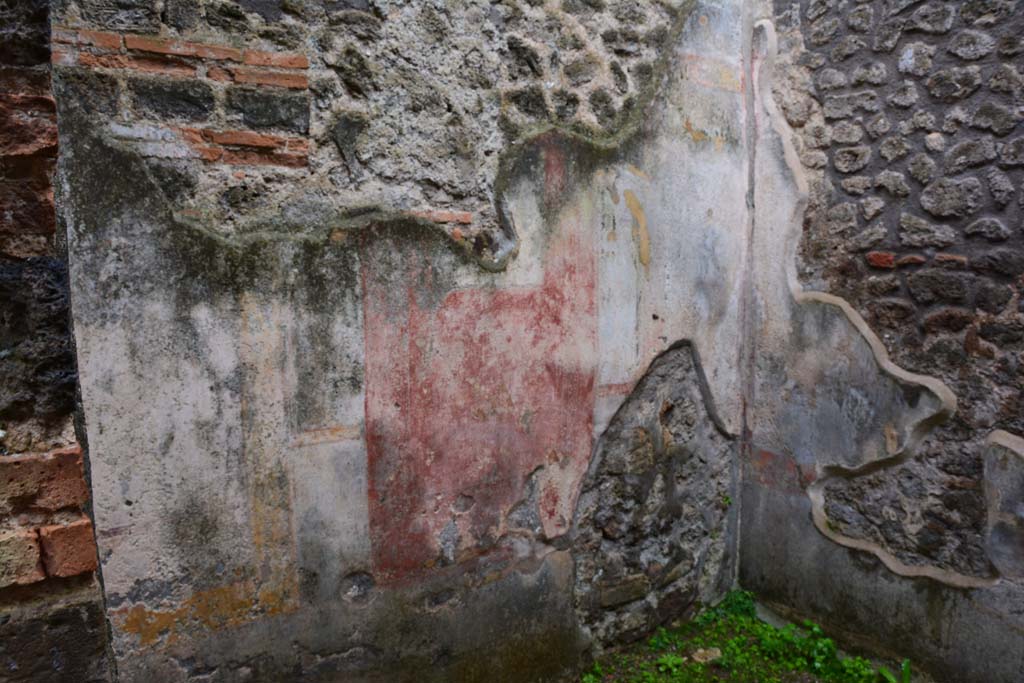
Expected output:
(20, 558)
(68, 549)
(46, 481)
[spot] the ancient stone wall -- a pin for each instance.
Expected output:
(908, 117)
(408, 108)
(392, 317)
(357, 287)
(653, 506)
(904, 118)
(52, 626)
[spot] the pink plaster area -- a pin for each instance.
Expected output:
(470, 395)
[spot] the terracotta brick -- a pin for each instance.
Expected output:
(28, 125)
(103, 39)
(444, 216)
(881, 259)
(48, 481)
(951, 261)
(63, 58)
(158, 65)
(261, 157)
(68, 549)
(182, 48)
(100, 39)
(911, 260)
(244, 138)
(275, 78)
(216, 73)
(20, 559)
(284, 60)
(208, 152)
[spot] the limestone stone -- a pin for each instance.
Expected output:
(922, 168)
(904, 96)
(893, 182)
(851, 159)
(872, 73)
(893, 148)
(868, 238)
(916, 59)
(954, 84)
(970, 154)
(971, 45)
(1000, 187)
(917, 232)
(856, 185)
(948, 197)
(871, 207)
(995, 117)
(992, 229)
(935, 17)
(847, 132)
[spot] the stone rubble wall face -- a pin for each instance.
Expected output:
(908, 122)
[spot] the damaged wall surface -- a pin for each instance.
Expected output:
(392, 318)
(345, 420)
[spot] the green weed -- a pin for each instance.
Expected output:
(729, 644)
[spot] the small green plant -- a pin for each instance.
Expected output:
(663, 640)
(727, 643)
(670, 663)
(905, 673)
(595, 675)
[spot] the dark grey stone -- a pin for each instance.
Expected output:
(268, 109)
(990, 228)
(995, 117)
(175, 99)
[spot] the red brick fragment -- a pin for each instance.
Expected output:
(20, 558)
(951, 261)
(63, 58)
(216, 73)
(182, 48)
(274, 78)
(881, 259)
(100, 39)
(167, 66)
(284, 60)
(911, 260)
(48, 481)
(28, 124)
(244, 138)
(68, 549)
(259, 157)
(445, 216)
